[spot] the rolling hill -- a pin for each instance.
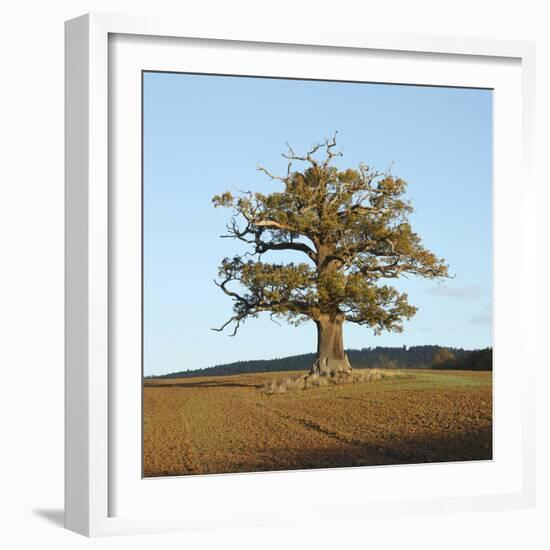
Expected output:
(414, 357)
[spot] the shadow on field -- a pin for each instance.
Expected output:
(451, 447)
(421, 449)
(207, 384)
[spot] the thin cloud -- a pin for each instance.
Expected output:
(483, 318)
(466, 292)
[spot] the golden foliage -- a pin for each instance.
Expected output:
(351, 225)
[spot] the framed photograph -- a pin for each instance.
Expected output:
(288, 293)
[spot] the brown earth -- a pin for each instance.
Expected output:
(229, 424)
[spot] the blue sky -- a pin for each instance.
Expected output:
(206, 134)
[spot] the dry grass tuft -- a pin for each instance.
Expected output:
(310, 381)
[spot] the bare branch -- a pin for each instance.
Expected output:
(256, 229)
(301, 247)
(358, 208)
(308, 157)
(274, 320)
(329, 145)
(272, 176)
(271, 224)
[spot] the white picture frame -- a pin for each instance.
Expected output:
(100, 498)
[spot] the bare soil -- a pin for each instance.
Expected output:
(229, 424)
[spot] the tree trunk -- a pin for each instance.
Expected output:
(331, 359)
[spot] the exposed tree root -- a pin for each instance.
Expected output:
(331, 367)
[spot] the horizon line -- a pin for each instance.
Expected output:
(404, 346)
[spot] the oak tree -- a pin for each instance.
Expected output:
(349, 227)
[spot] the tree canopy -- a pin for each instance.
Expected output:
(350, 231)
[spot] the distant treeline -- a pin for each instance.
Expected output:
(415, 357)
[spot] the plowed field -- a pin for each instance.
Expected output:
(228, 424)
